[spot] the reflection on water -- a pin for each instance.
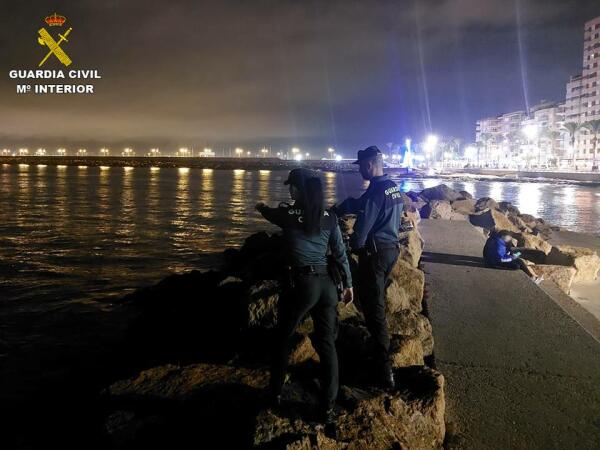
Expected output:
(78, 233)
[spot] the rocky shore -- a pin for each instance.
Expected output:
(204, 341)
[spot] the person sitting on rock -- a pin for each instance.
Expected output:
(498, 253)
(309, 234)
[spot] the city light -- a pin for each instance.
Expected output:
(183, 151)
(23, 152)
(5, 151)
(82, 152)
(104, 152)
(239, 151)
(531, 131)
(338, 157)
(128, 152)
(40, 152)
(470, 152)
(61, 152)
(264, 151)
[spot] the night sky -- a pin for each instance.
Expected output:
(314, 74)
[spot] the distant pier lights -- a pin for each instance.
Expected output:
(128, 152)
(104, 152)
(23, 152)
(40, 152)
(82, 152)
(61, 152)
(154, 152)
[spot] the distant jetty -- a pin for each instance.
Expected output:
(173, 161)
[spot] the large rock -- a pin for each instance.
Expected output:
(465, 195)
(562, 276)
(411, 324)
(406, 351)
(441, 192)
(405, 288)
(411, 247)
(261, 304)
(585, 261)
(485, 203)
(492, 219)
(440, 209)
(177, 383)
(509, 209)
(302, 350)
(371, 421)
(531, 241)
(464, 206)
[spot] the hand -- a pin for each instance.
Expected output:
(259, 206)
(347, 296)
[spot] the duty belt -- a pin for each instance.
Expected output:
(306, 270)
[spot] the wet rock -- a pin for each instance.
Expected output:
(585, 261)
(485, 203)
(411, 324)
(562, 276)
(492, 219)
(441, 192)
(405, 289)
(464, 206)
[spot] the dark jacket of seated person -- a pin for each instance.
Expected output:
(497, 252)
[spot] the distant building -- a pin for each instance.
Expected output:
(502, 138)
(583, 93)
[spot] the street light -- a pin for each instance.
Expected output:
(331, 152)
(264, 151)
(239, 151)
(104, 152)
(128, 152)
(61, 152)
(81, 152)
(40, 152)
(154, 152)
(23, 152)
(183, 151)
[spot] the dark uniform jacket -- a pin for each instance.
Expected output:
(379, 215)
(303, 249)
(496, 251)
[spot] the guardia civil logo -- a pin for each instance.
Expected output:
(54, 44)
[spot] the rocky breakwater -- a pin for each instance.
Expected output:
(562, 264)
(203, 341)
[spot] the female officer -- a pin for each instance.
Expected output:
(309, 233)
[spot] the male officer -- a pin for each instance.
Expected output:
(375, 239)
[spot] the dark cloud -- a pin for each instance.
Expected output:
(310, 73)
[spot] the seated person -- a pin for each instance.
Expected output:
(498, 253)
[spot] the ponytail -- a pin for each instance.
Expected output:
(313, 199)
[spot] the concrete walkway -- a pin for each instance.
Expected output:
(520, 372)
